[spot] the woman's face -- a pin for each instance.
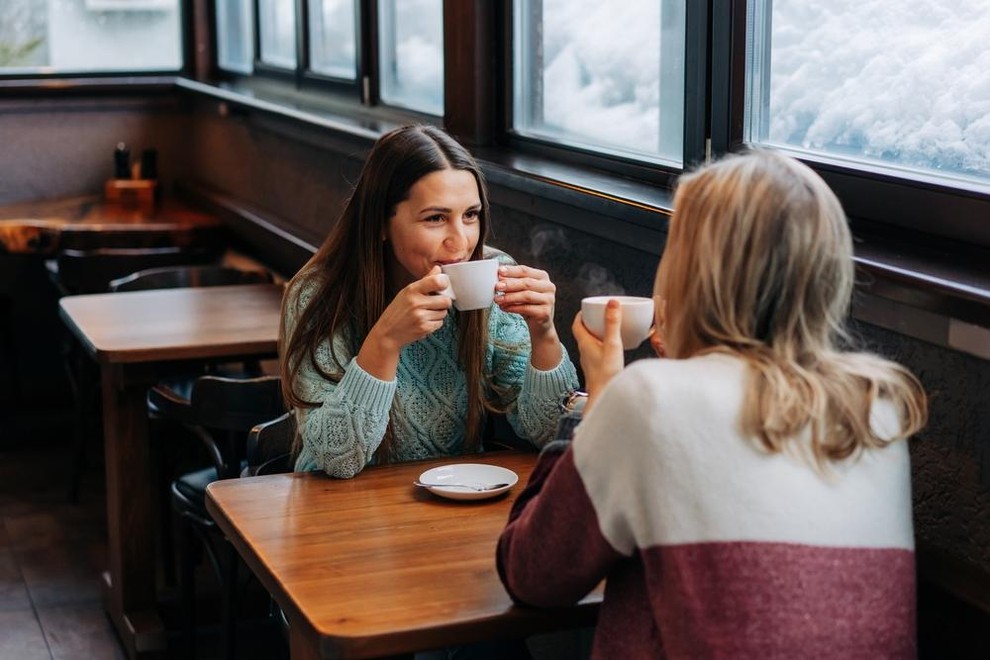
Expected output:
(438, 223)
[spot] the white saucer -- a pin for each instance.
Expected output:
(468, 473)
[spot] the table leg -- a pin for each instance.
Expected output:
(303, 644)
(130, 588)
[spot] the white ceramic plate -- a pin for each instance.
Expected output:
(468, 473)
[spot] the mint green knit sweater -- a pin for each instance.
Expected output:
(340, 437)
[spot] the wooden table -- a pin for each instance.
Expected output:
(45, 226)
(373, 566)
(133, 337)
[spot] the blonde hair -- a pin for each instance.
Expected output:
(758, 264)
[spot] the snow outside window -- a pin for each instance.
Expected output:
(332, 41)
(410, 38)
(901, 84)
(604, 76)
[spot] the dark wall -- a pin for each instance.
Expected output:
(63, 147)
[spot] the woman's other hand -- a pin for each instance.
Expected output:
(530, 293)
(601, 359)
(416, 311)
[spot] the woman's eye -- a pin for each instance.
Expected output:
(435, 218)
(473, 214)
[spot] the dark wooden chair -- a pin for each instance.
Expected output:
(92, 237)
(269, 451)
(173, 277)
(221, 412)
(269, 447)
(91, 271)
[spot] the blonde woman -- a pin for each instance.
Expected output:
(749, 495)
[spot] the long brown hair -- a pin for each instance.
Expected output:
(348, 277)
(758, 263)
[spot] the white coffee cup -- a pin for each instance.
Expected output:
(472, 283)
(637, 317)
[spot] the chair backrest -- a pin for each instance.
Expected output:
(269, 446)
(94, 237)
(175, 277)
(90, 271)
(235, 404)
(226, 409)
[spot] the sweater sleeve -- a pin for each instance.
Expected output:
(537, 393)
(341, 434)
(552, 552)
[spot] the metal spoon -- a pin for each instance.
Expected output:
(477, 487)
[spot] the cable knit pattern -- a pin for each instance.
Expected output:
(341, 436)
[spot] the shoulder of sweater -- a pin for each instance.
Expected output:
(490, 252)
(674, 377)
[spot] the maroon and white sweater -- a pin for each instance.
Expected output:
(709, 546)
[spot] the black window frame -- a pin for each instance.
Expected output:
(696, 115)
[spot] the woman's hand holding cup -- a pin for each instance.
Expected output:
(601, 359)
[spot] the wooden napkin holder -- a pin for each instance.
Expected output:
(134, 193)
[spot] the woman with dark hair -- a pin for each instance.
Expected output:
(378, 366)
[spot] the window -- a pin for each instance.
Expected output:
(607, 77)
(277, 23)
(410, 35)
(235, 35)
(333, 38)
(80, 36)
(905, 87)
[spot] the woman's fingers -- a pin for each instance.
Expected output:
(613, 325)
(601, 359)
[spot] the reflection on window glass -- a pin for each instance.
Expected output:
(332, 44)
(277, 26)
(54, 36)
(235, 35)
(411, 54)
(903, 84)
(602, 75)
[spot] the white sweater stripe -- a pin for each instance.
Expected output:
(700, 481)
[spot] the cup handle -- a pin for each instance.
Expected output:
(449, 291)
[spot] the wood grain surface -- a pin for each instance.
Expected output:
(176, 324)
(374, 566)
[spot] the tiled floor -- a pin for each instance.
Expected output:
(52, 552)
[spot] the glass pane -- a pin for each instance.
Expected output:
(56, 36)
(333, 47)
(601, 75)
(410, 36)
(900, 84)
(235, 35)
(277, 22)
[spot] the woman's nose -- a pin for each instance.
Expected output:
(456, 235)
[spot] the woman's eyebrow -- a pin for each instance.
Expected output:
(443, 209)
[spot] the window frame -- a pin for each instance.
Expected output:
(696, 116)
(478, 106)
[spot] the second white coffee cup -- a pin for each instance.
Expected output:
(637, 317)
(472, 283)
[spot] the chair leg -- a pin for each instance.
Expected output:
(228, 588)
(162, 471)
(187, 587)
(80, 436)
